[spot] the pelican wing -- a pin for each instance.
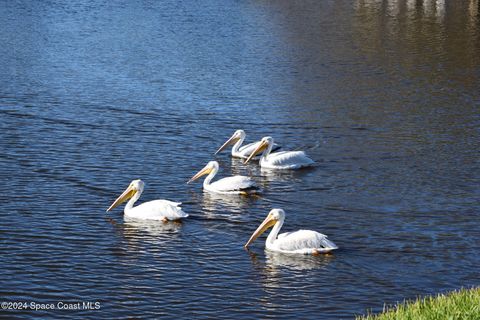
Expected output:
(158, 210)
(303, 241)
(288, 159)
(235, 183)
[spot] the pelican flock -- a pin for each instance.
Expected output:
(230, 185)
(298, 242)
(279, 160)
(239, 151)
(301, 241)
(163, 210)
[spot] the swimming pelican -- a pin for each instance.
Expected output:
(279, 160)
(230, 185)
(162, 210)
(301, 241)
(239, 151)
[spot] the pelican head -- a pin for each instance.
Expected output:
(237, 135)
(273, 217)
(211, 166)
(265, 143)
(135, 187)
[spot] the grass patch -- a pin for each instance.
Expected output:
(463, 304)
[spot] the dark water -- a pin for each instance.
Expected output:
(384, 95)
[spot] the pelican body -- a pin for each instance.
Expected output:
(239, 151)
(162, 210)
(279, 160)
(230, 185)
(298, 242)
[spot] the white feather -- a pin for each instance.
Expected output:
(286, 160)
(298, 242)
(157, 210)
(229, 185)
(239, 151)
(152, 210)
(245, 151)
(235, 183)
(302, 241)
(281, 160)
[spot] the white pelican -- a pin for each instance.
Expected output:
(230, 185)
(301, 241)
(279, 160)
(162, 210)
(239, 151)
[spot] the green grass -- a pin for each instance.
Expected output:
(458, 305)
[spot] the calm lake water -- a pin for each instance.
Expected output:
(384, 95)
